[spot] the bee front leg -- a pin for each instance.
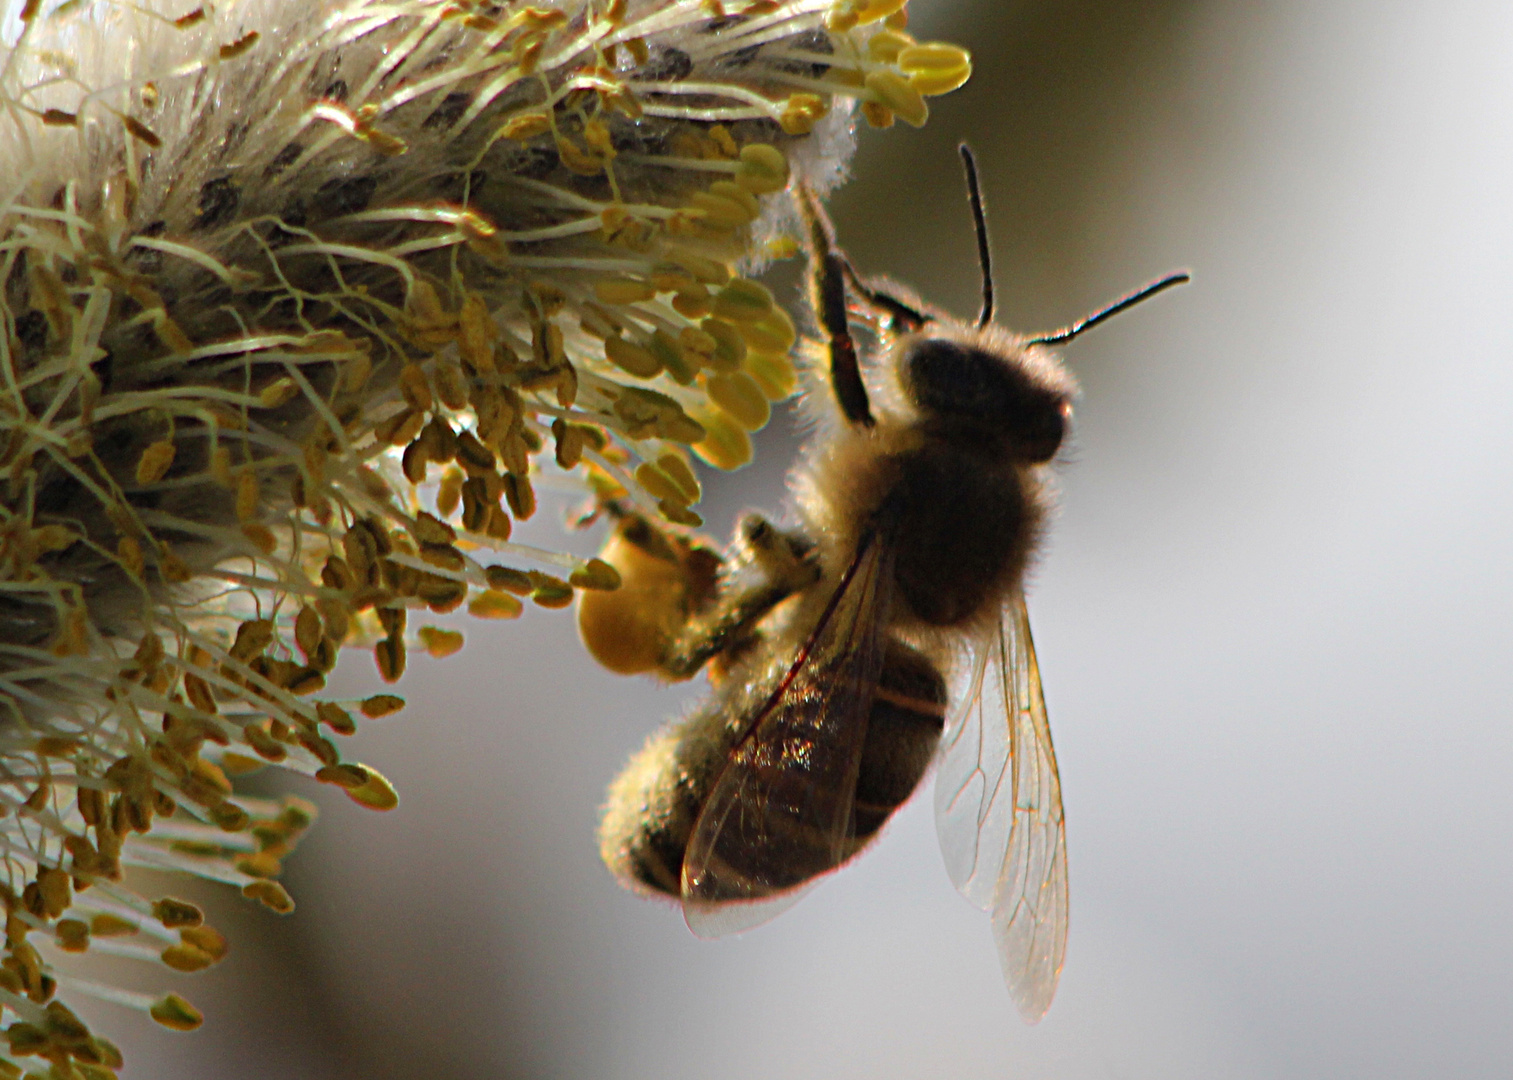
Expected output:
(784, 563)
(827, 296)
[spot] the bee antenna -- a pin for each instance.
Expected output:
(1145, 292)
(980, 220)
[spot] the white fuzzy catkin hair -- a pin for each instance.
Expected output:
(262, 266)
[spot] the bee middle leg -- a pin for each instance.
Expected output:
(784, 563)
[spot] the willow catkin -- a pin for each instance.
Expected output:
(297, 301)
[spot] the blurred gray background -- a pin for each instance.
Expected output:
(1274, 622)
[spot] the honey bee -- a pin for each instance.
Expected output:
(920, 500)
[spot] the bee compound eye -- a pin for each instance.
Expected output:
(1043, 430)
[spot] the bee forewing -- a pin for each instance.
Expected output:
(721, 919)
(780, 814)
(1030, 900)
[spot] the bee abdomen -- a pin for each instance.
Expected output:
(654, 802)
(908, 714)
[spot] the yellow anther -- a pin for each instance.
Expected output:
(207, 939)
(935, 67)
(520, 495)
(247, 493)
(107, 925)
(252, 637)
(52, 538)
(885, 45)
(261, 536)
(259, 864)
(723, 141)
(660, 486)
(729, 189)
(234, 764)
(415, 387)
(801, 112)
(763, 169)
(720, 211)
(576, 160)
(558, 594)
(773, 373)
(707, 271)
(270, 894)
(851, 78)
(869, 11)
(336, 718)
(186, 958)
(668, 352)
(841, 18)
(57, 893)
(279, 392)
(509, 579)
(389, 655)
(155, 461)
(631, 358)
(476, 334)
(742, 301)
(595, 574)
(878, 116)
(72, 934)
(54, 746)
(343, 776)
(380, 705)
(174, 1012)
(725, 443)
(174, 913)
(493, 604)
(440, 643)
(698, 345)
(891, 89)
(742, 397)
(623, 290)
(678, 471)
(773, 333)
(692, 302)
(449, 493)
(730, 346)
(525, 126)
(679, 514)
(679, 427)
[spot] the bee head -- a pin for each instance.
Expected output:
(1013, 400)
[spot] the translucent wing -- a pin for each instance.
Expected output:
(998, 812)
(781, 812)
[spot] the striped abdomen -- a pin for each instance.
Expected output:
(655, 803)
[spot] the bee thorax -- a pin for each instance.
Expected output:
(965, 529)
